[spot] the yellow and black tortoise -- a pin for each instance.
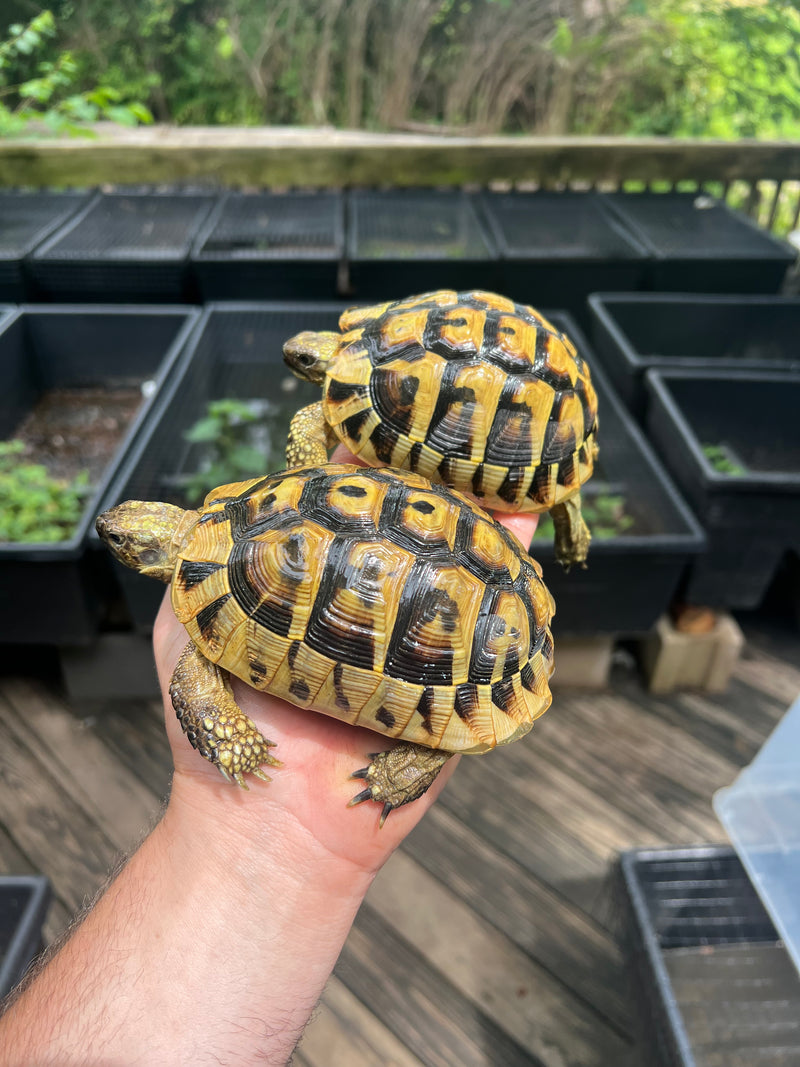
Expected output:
(468, 389)
(366, 594)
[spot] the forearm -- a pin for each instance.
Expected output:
(207, 948)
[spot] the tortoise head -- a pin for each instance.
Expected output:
(308, 354)
(146, 535)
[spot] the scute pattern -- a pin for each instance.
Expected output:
(468, 389)
(374, 597)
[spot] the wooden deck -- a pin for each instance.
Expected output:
(498, 921)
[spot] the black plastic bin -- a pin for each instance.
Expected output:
(270, 246)
(634, 332)
(24, 900)
(713, 984)
(698, 244)
(26, 219)
(55, 593)
(236, 352)
(556, 248)
(131, 246)
(748, 422)
(631, 576)
(408, 241)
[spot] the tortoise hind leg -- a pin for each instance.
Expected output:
(310, 438)
(400, 775)
(212, 720)
(572, 533)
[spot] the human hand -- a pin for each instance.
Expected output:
(308, 795)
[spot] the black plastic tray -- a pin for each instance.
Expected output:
(124, 246)
(556, 248)
(24, 900)
(634, 332)
(57, 590)
(698, 244)
(269, 246)
(408, 241)
(630, 578)
(26, 219)
(236, 351)
(713, 984)
(751, 518)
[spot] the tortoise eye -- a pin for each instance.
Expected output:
(115, 538)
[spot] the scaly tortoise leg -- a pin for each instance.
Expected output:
(572, 534)
(214, 723)
(310, 438)
(400, 775)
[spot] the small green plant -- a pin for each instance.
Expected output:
(34, 507)
(605, 515)
(45, 99)
(720, 459)
(226, 431)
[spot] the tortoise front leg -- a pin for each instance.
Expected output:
(400, 775)
(310, 438)
(572, 533)
(212, 720)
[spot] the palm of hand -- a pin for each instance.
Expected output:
(310, 791)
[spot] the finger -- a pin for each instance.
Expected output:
(342, 454)
(522, 526)
(169, 640)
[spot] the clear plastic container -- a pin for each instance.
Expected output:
(761, 812)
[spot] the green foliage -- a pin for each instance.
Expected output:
(695, 68)
(720, 459)
(35, 91)
(722, 69)
(225, 432)
(605, 515)
(33, 506)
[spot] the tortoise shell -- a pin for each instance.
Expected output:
(374, 597)
(467, 389)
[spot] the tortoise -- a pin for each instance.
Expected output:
(367, 594)
(468, 389)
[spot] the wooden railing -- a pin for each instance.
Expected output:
(763, 177)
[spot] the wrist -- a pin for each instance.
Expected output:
(255, 842)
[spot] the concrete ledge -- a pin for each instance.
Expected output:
(283, 156)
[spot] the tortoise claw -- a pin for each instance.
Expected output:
(365, 794)
(363, 773)
(387, 807)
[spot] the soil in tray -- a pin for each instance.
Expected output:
(74, 430)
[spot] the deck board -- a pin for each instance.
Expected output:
(492, 936)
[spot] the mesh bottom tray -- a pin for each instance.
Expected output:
(122, 226)
(694, 226)
(547, 225)
(27, 218)
(272, 225)
(415, 224)
(718, 988)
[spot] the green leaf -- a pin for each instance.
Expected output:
(121, 114)
(203, 430)
(225, 46)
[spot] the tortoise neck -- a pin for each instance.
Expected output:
(187, 520)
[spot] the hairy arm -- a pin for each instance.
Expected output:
(214, 942)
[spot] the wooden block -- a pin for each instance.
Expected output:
(582, 662)
(672, 660)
